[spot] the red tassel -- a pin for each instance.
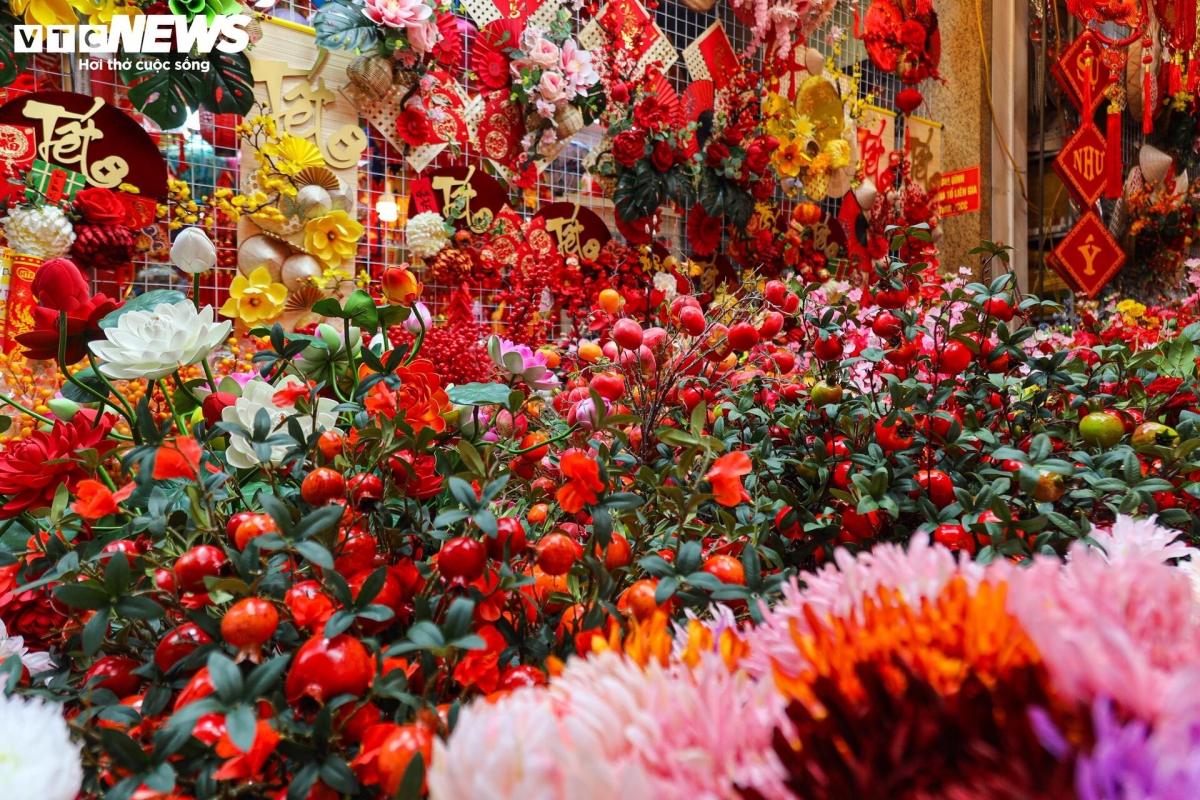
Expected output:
(1174, 76)
(1086, 108)
(1193, 78)
(1147, 103)
(1112, 155)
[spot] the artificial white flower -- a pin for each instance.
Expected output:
(665, 283)
(153, 344)
(15, 646)
(38, 760)
(193, 252)
(40, 231)
(258, 394)
(426, 234)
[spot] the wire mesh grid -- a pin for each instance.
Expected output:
(203, 155)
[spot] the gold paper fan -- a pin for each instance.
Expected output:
(819, 101)
(304, 299)
(300, 153)
(317, 176)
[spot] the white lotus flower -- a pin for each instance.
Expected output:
(15, 646)
(38, 760)
(153, 344)
(193, 252)
(258, 394)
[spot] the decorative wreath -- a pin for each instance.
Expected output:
(902, 38)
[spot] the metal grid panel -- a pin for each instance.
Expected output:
(200, 155)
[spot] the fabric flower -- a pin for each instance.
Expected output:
(397, 13)
(193, 252)
(46, 12)
(413, 126)
(420, 397)
(726, 478)
(577, 68)
(255, 299)
(650, 113)
(424, 37)
(582, 474)
(552, 87)
(258, 395)
(95, 500)
(246, 766)
(703, 231)
(15, 646)
(333, 238)
(519, 361)
(60, 286)
(83, 326)
(178, 459)
(426, 234)
(628, 148)
(491, 68)
(663, 155)
(100, 206)
(38, 760)
(544, 53)
(153, 344)
(31, 469)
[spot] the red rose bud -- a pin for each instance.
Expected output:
(620, 93)
(214, 404)
(400, 285)
(60, 286)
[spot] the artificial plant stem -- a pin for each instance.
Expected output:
(196, 290)
(420, 340)
(183, 387)
(162, 387)
(62, 366)
(212, 382)
(6, 399)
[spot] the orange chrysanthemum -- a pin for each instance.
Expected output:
(420, 397)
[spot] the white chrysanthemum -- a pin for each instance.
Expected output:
(38, 760)
(258, 394)
(426, 234)
(42, 231)
(665, 283)
(15, 646)
(153, 344)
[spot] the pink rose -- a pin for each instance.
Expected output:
(552, 87)
(423, 37)
(397, 13)
(544, 54)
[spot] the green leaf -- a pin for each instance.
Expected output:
(360, 310)
(344, 26)
(226, 677)
(167, 95)
(1179, 360)
(228, 84)
(88, 377)
(81, 595)
(95, 631)
(479, 394)
(144, 302)
(329, 307)
(413, 781)
(242, 725)
(12, 63)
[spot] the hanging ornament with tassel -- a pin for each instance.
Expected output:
(1177, 19)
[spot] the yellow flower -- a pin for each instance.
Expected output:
(48, 12)
(838, 151)
(255, 299)
(774, 105)
(790, 160)
(333, 238)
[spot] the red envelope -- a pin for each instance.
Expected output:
(139, 211)
(501, 129)
(445, 98)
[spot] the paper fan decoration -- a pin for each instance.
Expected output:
(696, 106)
(490, 52)
(902, 38)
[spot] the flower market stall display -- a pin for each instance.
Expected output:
(334, 572)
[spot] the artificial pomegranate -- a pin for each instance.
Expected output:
(824, 394)
(1154, 434)
(365, 489)
(742, 336)
(115, 674)
(1101, 429)
(627, 334)
(556, 553)
(953, 358)
(510, 533)
(322, 486)
(191, 568)
(248, 625)
(325, 668)
(462, 560)
(178, 645)
(828, 348)
(726, 569)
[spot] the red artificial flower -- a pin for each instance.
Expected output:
(490, 68)
(59, 286)
(912, 33)
(663, 156)
(583, 481)
(715, 153)
(214, 404)
(83, 326)
(95, 500)
(241, 766)
(726, 478)
(422, 480)
(703, 231)
(628, 148)
(33, 614)
(413, 127)
(177, 459)
(288, 395)
(1164, 385)
(481, 668)
(366, 763)
(651, 114)
(449, 49)
(758, 154)
(620, 92)
(420, 396)
(309, 606)
(100, 206)
(32, 469)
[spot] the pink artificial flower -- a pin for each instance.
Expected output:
(552, 87)
(424, 37)
(577, 68)
(544, 54)
(401, 14)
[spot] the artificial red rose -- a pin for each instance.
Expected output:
(59, 286)
(637, 231)
(703, 231)
(651, 114)
(32, 469)
(214, 404)
(100, 206)
(413, 127)
(420, 478)
(33, 615)
(758, 155)
(663, 156)
(629, 147)
(420, 399)
(620, 92)
(1163, 386)
(83, 326)
(912, 34)
(490, 68)
(715, 153)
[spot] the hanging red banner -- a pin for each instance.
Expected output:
(1080, 164)
(1081, 73)
(1090, 255)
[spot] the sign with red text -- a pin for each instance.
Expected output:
(959, 192)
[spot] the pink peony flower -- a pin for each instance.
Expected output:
(577, 68)
(544, 54)
(402, 14)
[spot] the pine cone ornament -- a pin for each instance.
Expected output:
(103, 246)
(40, 231)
